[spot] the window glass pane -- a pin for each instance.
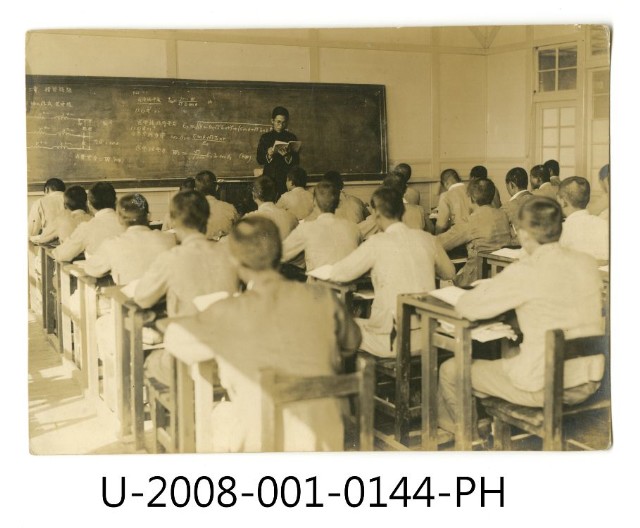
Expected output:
(567, 156)
(567, 170)
(566, 79)
(599, 155)
(601, 84)
(567, 57)
(550, 117)
(600, 131)
(549, 153)
(547, 59)
(549, 137)
(567, 116)
(547, 81)
(567, 137)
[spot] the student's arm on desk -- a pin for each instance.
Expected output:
(99, 264)
(293, 245)
(154, 283)
(72, 246)
(505, 291)
(444, 267)
(456, 236)
(355, 264)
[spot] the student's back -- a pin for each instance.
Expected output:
(298, 201)
(284, 220)
(223, 216)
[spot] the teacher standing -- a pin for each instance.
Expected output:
(277, 161)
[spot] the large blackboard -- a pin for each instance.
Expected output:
(151, 131)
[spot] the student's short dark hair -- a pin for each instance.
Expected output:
(264, 188)
(54, 184)
(388, 202)
(404, 170)
(396, 181)
(576, 190)
(541, 217)
(604, 172)
(75, 198)
(298, 176)
(133, 209)
(191, 209)
(518, 176)
(553, 167)
(102, 195)
(280, 110)
(206, 182)
(255, 243)
(335, 178)
(449, 174)
(541, 172)
(327, 196)
(479, 172)
(188, 184)
(481, 191)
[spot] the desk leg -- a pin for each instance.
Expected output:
(203, 396)
(60, 326)
(403, 369)
(89, 311)
(483, 267)
(80, 339)
(122, 371)
(185, 411)
(43, 283)
(429, 386)
(464, 423)
(136, 354)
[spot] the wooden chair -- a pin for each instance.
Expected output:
(547, 422)
(277, 391)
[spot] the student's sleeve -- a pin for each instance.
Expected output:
(355, 264)
(442, 222)
(293, 245)
(367, 227)
(50, 233)
(444, 267)
(282, 202)
(72, 246)
(456, 236)
(507, 290)
(35, 219)
(154, 283)
(99, 264)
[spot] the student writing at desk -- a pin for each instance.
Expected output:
(552, 287)
(454, 204)
(277, 161)
(264, 195)
(297, 329)
(74, 213)
(297, 200)
(401, 260)
(44, 210)
(222, 214)
(195, 267)
(350, 207)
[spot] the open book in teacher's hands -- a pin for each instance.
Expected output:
(286, 147)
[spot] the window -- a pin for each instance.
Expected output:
(557, 68)
(557, 129)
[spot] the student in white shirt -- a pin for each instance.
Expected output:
(454, 204)
(297, 200)
(223, 214)
(541, 182)
(44, 210)
(411, 195)
(581, 230)
(74, 213)
(264, 194)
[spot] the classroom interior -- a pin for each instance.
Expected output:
(456, 97)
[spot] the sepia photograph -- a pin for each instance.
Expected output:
(318, 239)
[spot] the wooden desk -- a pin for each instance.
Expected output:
(490, 265)
(49, 292)
(431, 309)
(345, 291)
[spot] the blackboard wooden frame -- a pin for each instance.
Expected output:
(370, 89)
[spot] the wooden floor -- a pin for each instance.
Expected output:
(61, 419)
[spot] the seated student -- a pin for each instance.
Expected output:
(554, 172)
(540, 177)
(188, 184)
(297, 199)
(487, 229)
(600, 207)
(401, 260)
(517, 182)
(325, 240)
(553, 287)
(45, 209)
(222, 214)
(413, 217)
(411, 195)
(88, 236)
(295, 328)
(350, 207)
(127, 256)
(74, 213)
(454, 204)
(582, 231)
(264, 194)
(479, 172)
(195, 267)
